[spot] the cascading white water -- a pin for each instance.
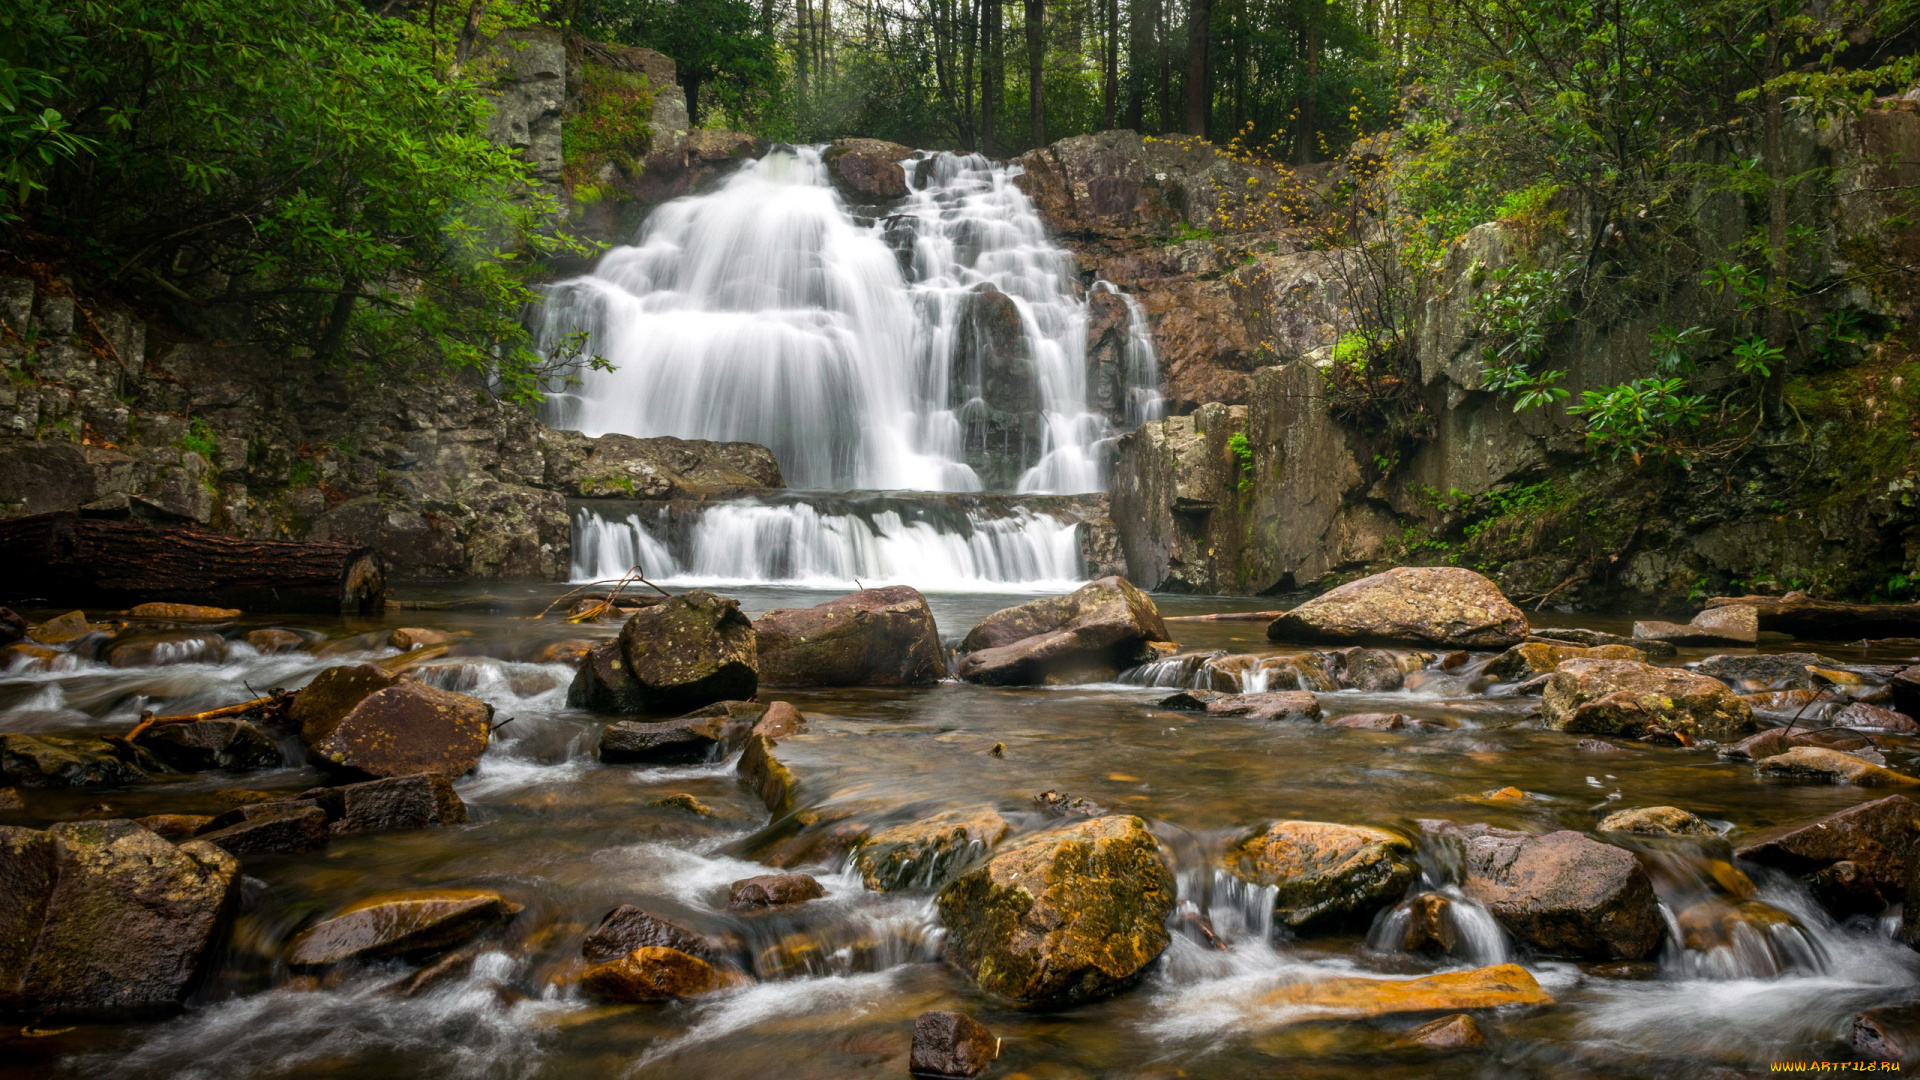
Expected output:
(765, 311)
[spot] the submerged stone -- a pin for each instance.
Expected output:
(773, 890)
(57, 761)
(1822, 765)
(1297, 705)
(395, 924)
(951, 1045)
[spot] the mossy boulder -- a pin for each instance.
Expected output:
(691, 650)
(1327, 876)
(877, 637)
(57, 761)
(1417, 605)
(1624, 697)
(1066, 916)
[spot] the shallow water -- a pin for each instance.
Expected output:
(571, 838)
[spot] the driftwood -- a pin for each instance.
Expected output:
(1803, 616)
(1226, 616)
(99, 562)
(275, 702)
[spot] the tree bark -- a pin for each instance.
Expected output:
(1036, 68)
(1305, 122)
(1110, 70)
(992, 77)
(1199, 88)
(1773, 390)
(97, 562)
(1141, 17)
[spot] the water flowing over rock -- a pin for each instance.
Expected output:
(877, 637)
(283, 827)
(1096, 631)
(868, 170)
(1624, 697)
(651, 973)
(1066, 916)
(1327, 876)
(105, 917)
(1282, 705)
(233, 745)
(1878, 837)
(1352, 998)
(1565, 894)
(398, 924)
(1424, 605)
(922, 854)
(950, 1044)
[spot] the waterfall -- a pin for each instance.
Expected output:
(940, 345)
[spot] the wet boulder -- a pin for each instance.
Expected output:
(1530, 658)
(572, 652)
(1565, 894)
(1089, 634)
(1353, 998)
(58, 761)
(627, 928)
(415, 801)
(1198, 700)
(1758, 672)
(1418, 605)
(1860, 716)
(1878, 837)
(13, 628)
(286, 827)
(1068, 915)
(399, 924)
(1373, 671)
(951, 1044)
(651, 973)
(773, 890)
(603, 682)
(682, 741)
(1449, 1033)
(404, 729)
(1328, 876)
(1821, 765)
(877, 637)
(1623, 697)
(1906, 691)
(925, 853)
(868, 170)
(780, 720)
(767, 775)
(1295, 705)
(688, 651)
(150, 648)
(319, 706)
(1656, 821)
(273, 640)
(107, 918)
(230, 745)
(409, 638)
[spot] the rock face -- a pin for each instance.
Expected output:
(1099, 628)
(233, 745)
(878, 637)
(397, 924)
(1565, 894)
(104, 917)
(1066, 916)
(692, 650)
(868, 170)
(1328, 876)
(1426, 605)
(651, 973)
(623, 467)
(1623, 697)
(950, 1044)
(922, 854)
(405, 729)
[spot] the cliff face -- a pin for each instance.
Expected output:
(1308, 498)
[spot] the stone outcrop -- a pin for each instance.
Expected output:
(1066, 916)
(1088, 634)
(877, 637)
(1327, 876)
(1625, 697)
(1565, 894)
(623, 467)
(1425, 605)
(868, 170)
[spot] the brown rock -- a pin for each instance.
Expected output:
(62, 630)
(405, 729)
(10, 800)
(1712, 924)
(1456, 1032)
(690, 650)
(151, 648)
(684, 801)
(272, 828)
(1861, 716)
(58, 761)
(573, 652)
(27, 867)
(181, 611)
(1887, 1035)
(1688, 634)
(323, 703)
(779, 721)
(233, 745)
(1530, 658)
(1370, 721)
(924, 854)
(274, 640)
(24, 657)
(1826, 766)
(1088, 635)
(1906, 691)
(397, 802)
(651, 973)
(951, 1045)
(627, 928)
(1565, 894)
(409, 638)
(1877, 836)
(1374, 671)
(878, 637)
(1356, 998)
(1622, 697)
(1798, 614)
(1739, 622)
(395, 924)
(767, 775)
(1328, 876)
(1845, 890)
(1284, 705)
(1068, 915)
(681, 741)
(175, 827)
(12, 627)
(1656, 821)
(773, 890)
(1754, 672)
(1426, 605)
(1197, 701)
(868, 170)
(604, 682)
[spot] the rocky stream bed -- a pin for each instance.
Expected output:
(1400, 831)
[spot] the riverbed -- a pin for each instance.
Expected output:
(841, 979)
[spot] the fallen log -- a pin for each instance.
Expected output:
(1803, 616)
(274, 703)
(1226, 616)
(65, 559)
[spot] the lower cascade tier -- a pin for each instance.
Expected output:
(935, 543)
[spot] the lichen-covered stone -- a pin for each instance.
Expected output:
(691, 650)
(1624, 697)
(1565, 894)
(1422, 605)
(57, 761)
(395, 924)
(405, 729)
(923, 854)
(320, 705)
(1328, 876)
(1821, 765)
(1656, 821)
(878, 637)
(604, 682)
(1066, 916)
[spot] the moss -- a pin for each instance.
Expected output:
(612, 127)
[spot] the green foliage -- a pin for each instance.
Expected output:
(199, 438)
(1516, 312)
(612, 126)
(725, 56)
(1641, 416)
(324, 168)
(1243, 460)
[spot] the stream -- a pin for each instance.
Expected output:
(840, 979)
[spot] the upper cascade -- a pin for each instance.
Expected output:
(938, 343)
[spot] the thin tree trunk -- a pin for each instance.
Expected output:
(802, 15)
(1141, 16)
(1199, 88)
(1163, 32)
(969, 26)
(1774, 392)
(469, 34)
(991, 78)
(690, 82)
(1036, 69)
(1306, 122)
(1110, 72)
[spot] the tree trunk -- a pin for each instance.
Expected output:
(469, 34)
(991, 76)
(1162, 32)
(690, 84)
(1199, 89)
(58, 559)
(1036, 68)
(1305, 122)
(1773, 393)
(1141, 16)
(1110, 70)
